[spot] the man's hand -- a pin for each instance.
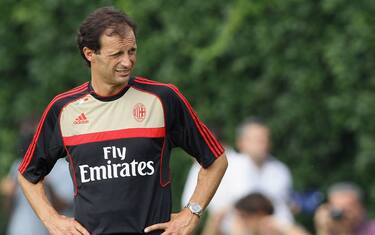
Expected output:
(322, 220)
(62, 225)
(325, 225)
(182, 223)
(56, 224)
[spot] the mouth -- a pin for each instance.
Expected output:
(122, 72)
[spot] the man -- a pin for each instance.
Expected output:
(266, 174)
(253, 170)
(251, 211)
(118, 132)
(253, 215)
(344, 214)
(233, 185)
(22, 219)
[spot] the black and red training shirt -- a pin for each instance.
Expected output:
(119, 148)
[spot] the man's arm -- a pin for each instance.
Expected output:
(185, 222)
(208, 181)
(55, 223)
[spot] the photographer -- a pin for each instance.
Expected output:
(344, 214)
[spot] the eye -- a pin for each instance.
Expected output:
(117, 54)
(132, 51)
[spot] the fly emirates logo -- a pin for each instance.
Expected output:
(110, 171)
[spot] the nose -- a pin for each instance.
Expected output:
(126, 61)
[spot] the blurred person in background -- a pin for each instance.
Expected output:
(266, 174)
(254, 216)
(233, 186)
(253, 169)
(22, 219)
(228, 191)
(344, 213)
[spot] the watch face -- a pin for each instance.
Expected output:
(196, 208)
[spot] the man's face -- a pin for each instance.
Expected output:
(255, 142)
(347, 202)
(115, 61)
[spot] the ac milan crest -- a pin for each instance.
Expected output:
(139, 112)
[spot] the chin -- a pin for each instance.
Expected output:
(121, 80)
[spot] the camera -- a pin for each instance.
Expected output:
(336, 214)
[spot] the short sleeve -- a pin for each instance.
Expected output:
(45, 148)
(190, 133)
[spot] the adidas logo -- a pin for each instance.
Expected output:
(81, 119)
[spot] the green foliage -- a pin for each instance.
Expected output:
(305, 66)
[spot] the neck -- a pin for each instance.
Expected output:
(104, 89)
(259, 164)
(259, 161)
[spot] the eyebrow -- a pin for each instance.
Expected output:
(134, 48)
(115, 53)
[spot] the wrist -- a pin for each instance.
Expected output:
(188, 212)
(49, 216)
(195, 208)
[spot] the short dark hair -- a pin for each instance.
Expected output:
(97, 22)
(342, 187)
(255, 203)
(253, 120)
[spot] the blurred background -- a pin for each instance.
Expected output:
(306, 67)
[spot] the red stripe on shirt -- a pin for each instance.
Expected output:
(207, 135)
(203, 129)
(113, 135)
(211, 141)
(28, 156)
(206, 132)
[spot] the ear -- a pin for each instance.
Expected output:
(89, 54)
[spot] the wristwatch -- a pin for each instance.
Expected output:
(195, 208)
